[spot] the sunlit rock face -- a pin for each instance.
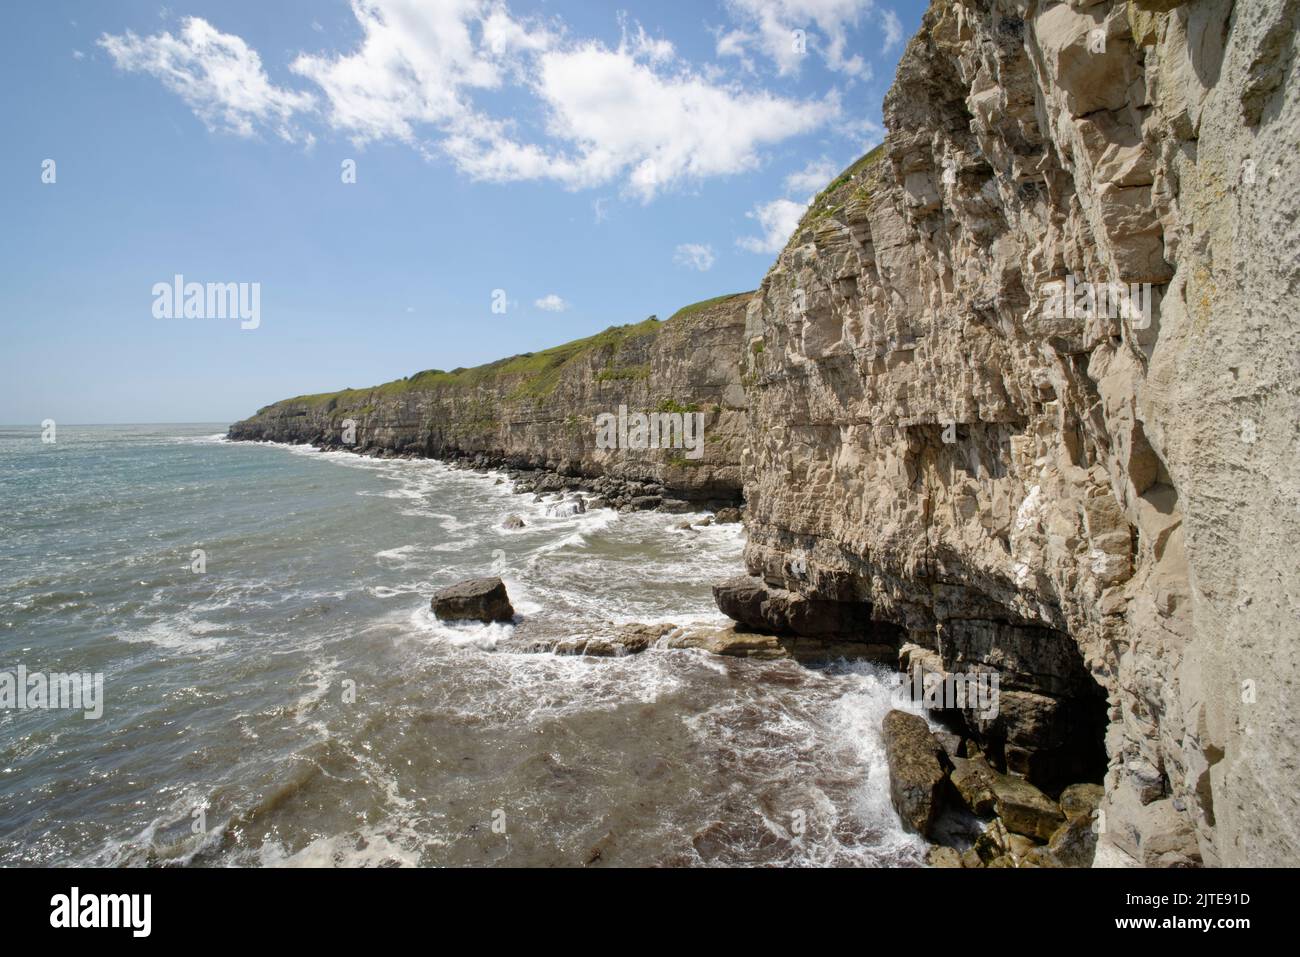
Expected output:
(541, 410)
(1098, 498)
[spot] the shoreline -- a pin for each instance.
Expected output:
(528, 475)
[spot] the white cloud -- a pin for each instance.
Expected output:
(415, 62)
(217, 75)
(625, 119)
(78, 55)
(893, 30)
(551, 303)
(812, 179)
(694, 256)
(633, 114)
(778, 220)
(785, 30)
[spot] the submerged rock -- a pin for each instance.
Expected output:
(626, 640)
(476, 599)
(573, 506)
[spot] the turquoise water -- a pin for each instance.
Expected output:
(295, 702)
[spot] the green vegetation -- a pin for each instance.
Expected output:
(671, 405)
(613, 373)
(679, 459)
(833, 198)
(697, 307)
(532, 375)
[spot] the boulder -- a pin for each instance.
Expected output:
(916, 770)
(972, 779)
(512, 522)
(628, 640)
(727, 516)
(1074, 843)
(757, 605)
(943, 857)
(993, 842)
(1040, 857)
(730, 641)
(572, 506)
(1081, 801)
(1018, 846)
(476, 599)
(1024, 809)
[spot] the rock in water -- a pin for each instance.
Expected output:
(513, 522)
(476, 599)
(916, 771)
(573, 506)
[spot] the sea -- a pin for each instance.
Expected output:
(276, 692)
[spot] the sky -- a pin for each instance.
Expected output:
(405, 184)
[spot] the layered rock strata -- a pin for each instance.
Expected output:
(1098, 500)
(538, 411)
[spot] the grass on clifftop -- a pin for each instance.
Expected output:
(832, 199)
(695, 308)
(535, 374)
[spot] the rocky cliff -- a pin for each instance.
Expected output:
(538, 411)
(1019, 396)
(1094, 495)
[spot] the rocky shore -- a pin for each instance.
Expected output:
(536, 412)
(942, 470)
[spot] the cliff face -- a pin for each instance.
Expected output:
(539, 410)
(1101, 507)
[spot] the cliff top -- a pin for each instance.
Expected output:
(536, 373)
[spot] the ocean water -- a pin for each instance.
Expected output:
(296, 703)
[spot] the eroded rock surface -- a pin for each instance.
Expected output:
(538, 411)
(916, 770)
(1103, 508)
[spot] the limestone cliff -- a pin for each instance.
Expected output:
(538, 410)
(1100, 506)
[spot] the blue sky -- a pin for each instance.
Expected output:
(598, 163)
